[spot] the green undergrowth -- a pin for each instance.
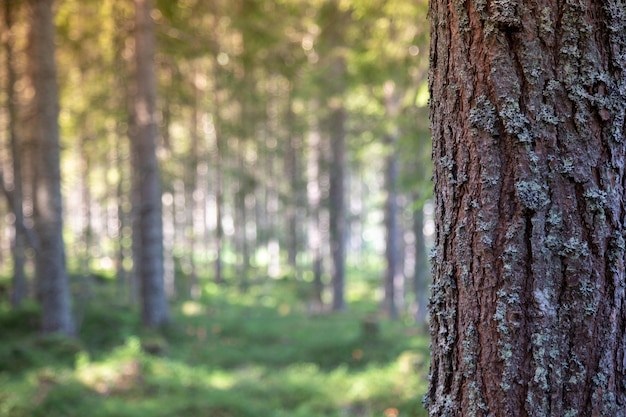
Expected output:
(225, 355)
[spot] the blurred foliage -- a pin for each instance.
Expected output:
(228, 355)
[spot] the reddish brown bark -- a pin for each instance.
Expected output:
(527, 113)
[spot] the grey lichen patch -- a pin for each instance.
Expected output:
(470, 350)
(486, 226)
(574, 248)
(515, 122)
(534, 160)
(461, 11)
(531, 194)
(531, 62)
(617, 250)
(547, 115)
(541, 377)
(603, 397)
(546, 25)
(490, 171)
(505, 13)
(595, 200)
(447, 163)
(566, 166)
(578, 371)
(481, 8)
(483, 115)
(450, 166)
(555, 216)
(476, 401)
(447, 407)
(508, 302)
(615, 11)
(539, 406)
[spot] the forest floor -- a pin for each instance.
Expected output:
(226, 355)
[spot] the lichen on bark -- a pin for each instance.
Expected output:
(528, 116)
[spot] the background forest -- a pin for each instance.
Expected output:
(294, 159)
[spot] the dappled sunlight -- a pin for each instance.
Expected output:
(236, 359)
(226, 204)
(192, 308)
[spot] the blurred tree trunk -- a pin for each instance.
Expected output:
(393, 274)
(218, 163)
(194, 195)
(148, 230)
(337, 198)
(293, 173)
(421, 276)
(20, 289)
(528, 305)
(51, 270)
(314, 194)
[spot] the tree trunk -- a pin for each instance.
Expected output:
(393, 271)
(527, 112)
(314, 195)
(337, 203)
(292, 171)
(148, 233)
(50, 259)
(20, 289)
(420, 273)
(393, 274)
(219, 187)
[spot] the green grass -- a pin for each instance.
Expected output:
(258, 354)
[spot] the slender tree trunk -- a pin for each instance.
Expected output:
(528, 311)
(125, 287)
(148, 233)
(195, 195)
(337, 204)
(314, 195)
(52, 276)
(219, 195)
(242, 218)
(292, 171)
(420, 273)
(393, 273)
(392, 234)
(20, 289)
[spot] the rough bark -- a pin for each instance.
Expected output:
(527, 116)
(51, 272)
(148, 230)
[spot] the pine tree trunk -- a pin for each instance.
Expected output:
(20, 290)
(393, 274)
(292, 171)
(420, 273)
(51, 272)
(527, 111)
(337, 205)
(314, 193)
(336, 192)
(148, 231)
(392, 233)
